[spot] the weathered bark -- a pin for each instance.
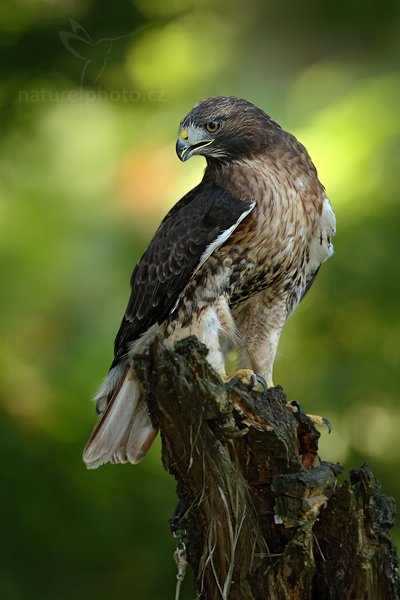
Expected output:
(265, 517)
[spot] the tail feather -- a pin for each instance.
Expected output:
(124, 432)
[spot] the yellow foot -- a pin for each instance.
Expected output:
(248, 377)
(316, 419)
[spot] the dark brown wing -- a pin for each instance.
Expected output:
(198, 224)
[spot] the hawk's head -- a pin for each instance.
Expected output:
(224, 128)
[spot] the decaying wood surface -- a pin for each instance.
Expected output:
(265, 517)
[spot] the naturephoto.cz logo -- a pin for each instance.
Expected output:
(93, 56)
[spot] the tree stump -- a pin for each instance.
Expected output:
(265, 517)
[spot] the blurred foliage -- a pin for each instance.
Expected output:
(91, 96)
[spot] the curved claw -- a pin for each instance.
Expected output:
(296, 405)
(316, 419)
(327, 423)
(257, 378)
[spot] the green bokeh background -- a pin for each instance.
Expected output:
(87, 169)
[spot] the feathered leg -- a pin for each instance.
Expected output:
(260, 325)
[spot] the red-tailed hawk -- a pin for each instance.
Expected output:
(232, 259)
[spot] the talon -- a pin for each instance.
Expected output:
(327, 423)
(257, 378)
(320, 421)
(316, 419)
(263, 384)
(249, 378)
(296, 407)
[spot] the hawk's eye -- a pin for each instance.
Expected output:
(212, 126)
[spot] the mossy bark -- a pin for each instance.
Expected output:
(265, 517)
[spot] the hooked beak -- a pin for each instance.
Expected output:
(185, 147)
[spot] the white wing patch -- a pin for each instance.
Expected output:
(222, 238)
(217, 243)
(321, 247)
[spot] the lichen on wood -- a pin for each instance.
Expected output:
(264, 516)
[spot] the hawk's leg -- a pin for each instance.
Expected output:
(260, 322)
